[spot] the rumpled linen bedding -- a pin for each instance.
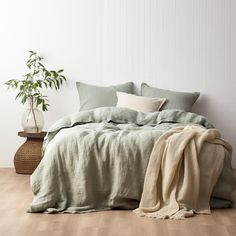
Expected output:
(97, 160)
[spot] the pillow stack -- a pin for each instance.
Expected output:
(152, 99)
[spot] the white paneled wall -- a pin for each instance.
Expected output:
(185, 45)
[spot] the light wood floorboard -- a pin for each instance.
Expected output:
(15, 197)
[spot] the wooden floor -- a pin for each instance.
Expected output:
(15, 197)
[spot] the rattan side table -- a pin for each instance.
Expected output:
(29, 154)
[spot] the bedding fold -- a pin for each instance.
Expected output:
(120, 115)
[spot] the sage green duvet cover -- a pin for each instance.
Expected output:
(96, 160)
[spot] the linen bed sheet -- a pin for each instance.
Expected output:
(97, 159)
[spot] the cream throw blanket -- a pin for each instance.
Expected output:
(184, 166)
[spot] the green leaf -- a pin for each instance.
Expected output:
(63, 77)
(45, 106)
(18, 95)
(54, 83)
(40, 64)
(39, 82)
(61, 80)
(45, 84)
(24, 99)
(36, 72)
(60, 71)
(38, 102)
(47, 73)
(58, 83)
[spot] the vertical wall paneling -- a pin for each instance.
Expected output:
(185, 45)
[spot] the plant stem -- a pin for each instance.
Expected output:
(32, 109)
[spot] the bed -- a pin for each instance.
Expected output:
(97, 160)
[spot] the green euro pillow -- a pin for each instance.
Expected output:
(92, 96)
(174, 100)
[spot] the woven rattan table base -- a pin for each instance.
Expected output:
(28, 155)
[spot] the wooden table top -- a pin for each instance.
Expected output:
(32, 135)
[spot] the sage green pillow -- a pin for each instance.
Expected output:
(92, 96)
(174, 100)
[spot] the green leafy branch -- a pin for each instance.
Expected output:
(37, 78)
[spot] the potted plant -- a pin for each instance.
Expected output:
(29, 91)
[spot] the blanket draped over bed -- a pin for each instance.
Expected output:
(97, 159)
(182, 172)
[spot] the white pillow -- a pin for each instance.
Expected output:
(139, 103)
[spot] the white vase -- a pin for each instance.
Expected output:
(32, 119)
